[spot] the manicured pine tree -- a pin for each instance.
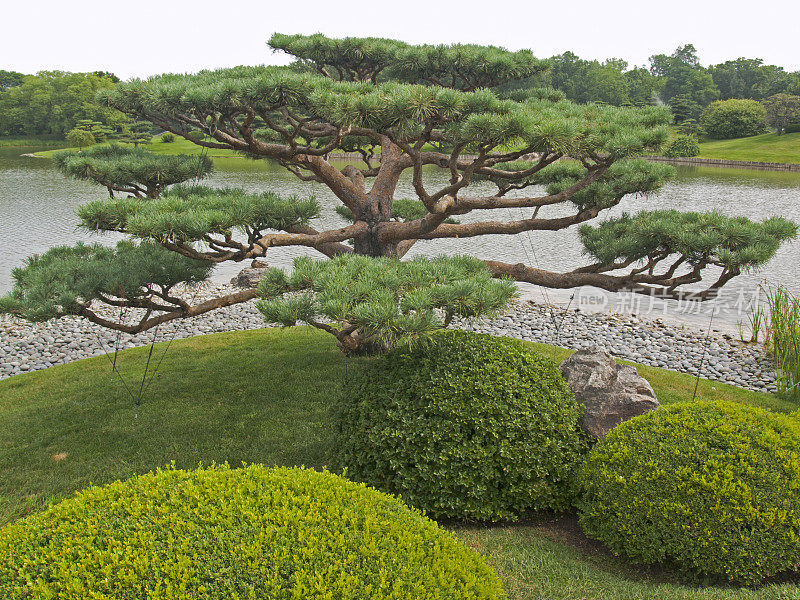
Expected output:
(138, 132)
(100, 132)
(404, 109)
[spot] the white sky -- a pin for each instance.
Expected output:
(146, 37)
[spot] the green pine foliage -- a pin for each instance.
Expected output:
(138, 132)
(709, 487)
(466, 426)
(65, 279)
(735, 243)
(382, 301)
(533, 93)
(188, 213)
(221, 533)
(346, 59)
(98, 129)
(459, 66)
(472, 120)
(132, 170)
(621, 178)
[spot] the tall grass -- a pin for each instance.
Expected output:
(756, 322)
(782, 339)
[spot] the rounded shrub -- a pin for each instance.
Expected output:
(683, 146)
(223, 533)
(711, 488)
(167, 137)
(734, 118)
(465, 426)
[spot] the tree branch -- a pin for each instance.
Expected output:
(180, 313)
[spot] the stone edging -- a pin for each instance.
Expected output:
(711, 162)
(721, 162)
(28, 347)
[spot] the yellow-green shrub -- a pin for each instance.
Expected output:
(223, 533)
(713, 488)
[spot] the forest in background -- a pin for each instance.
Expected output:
(51, 103)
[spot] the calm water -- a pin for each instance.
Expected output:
(37, 211)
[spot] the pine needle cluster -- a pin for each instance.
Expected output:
(66, 279)
(381, 302)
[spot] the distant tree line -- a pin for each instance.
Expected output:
(677, 79)
(55, 102)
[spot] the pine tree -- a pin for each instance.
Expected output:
(138, 132)
(403, 108)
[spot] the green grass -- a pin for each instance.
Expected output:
(33, 140)
(179, 146)
(534, 566)
(760, 148)
(263, 396)
(768, 147)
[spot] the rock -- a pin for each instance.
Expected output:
(250, 276)
(610, 393)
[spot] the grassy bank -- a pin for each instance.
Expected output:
(32, 141)
(760, 148)
(768, 147)
(263, 396)
(179, 146)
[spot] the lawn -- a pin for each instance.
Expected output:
(760, 148)
(768, 147)
(34, 140)
(179, 146)
(263, 396)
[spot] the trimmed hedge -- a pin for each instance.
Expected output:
(725, 119)
(466, 426)
(683, 146)
(223, 533)
(712, 488)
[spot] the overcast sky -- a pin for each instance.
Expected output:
(146, 37)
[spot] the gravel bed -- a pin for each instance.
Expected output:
(654, 343)
(32, 346)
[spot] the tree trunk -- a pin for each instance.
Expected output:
(368, 244)
(355, 345)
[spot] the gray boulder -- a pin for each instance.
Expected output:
(249, 277)
(610, 393)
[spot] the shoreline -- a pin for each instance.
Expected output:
(726, 163)
(722, 163)
(27, 347)
(687, 161)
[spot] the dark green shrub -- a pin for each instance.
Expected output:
(792, 128)
(683, 145)
(225, 533)
(167, 137)
(713, 488)
(734, 118)
(466, 426)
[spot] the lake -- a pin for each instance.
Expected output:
(37, 211)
